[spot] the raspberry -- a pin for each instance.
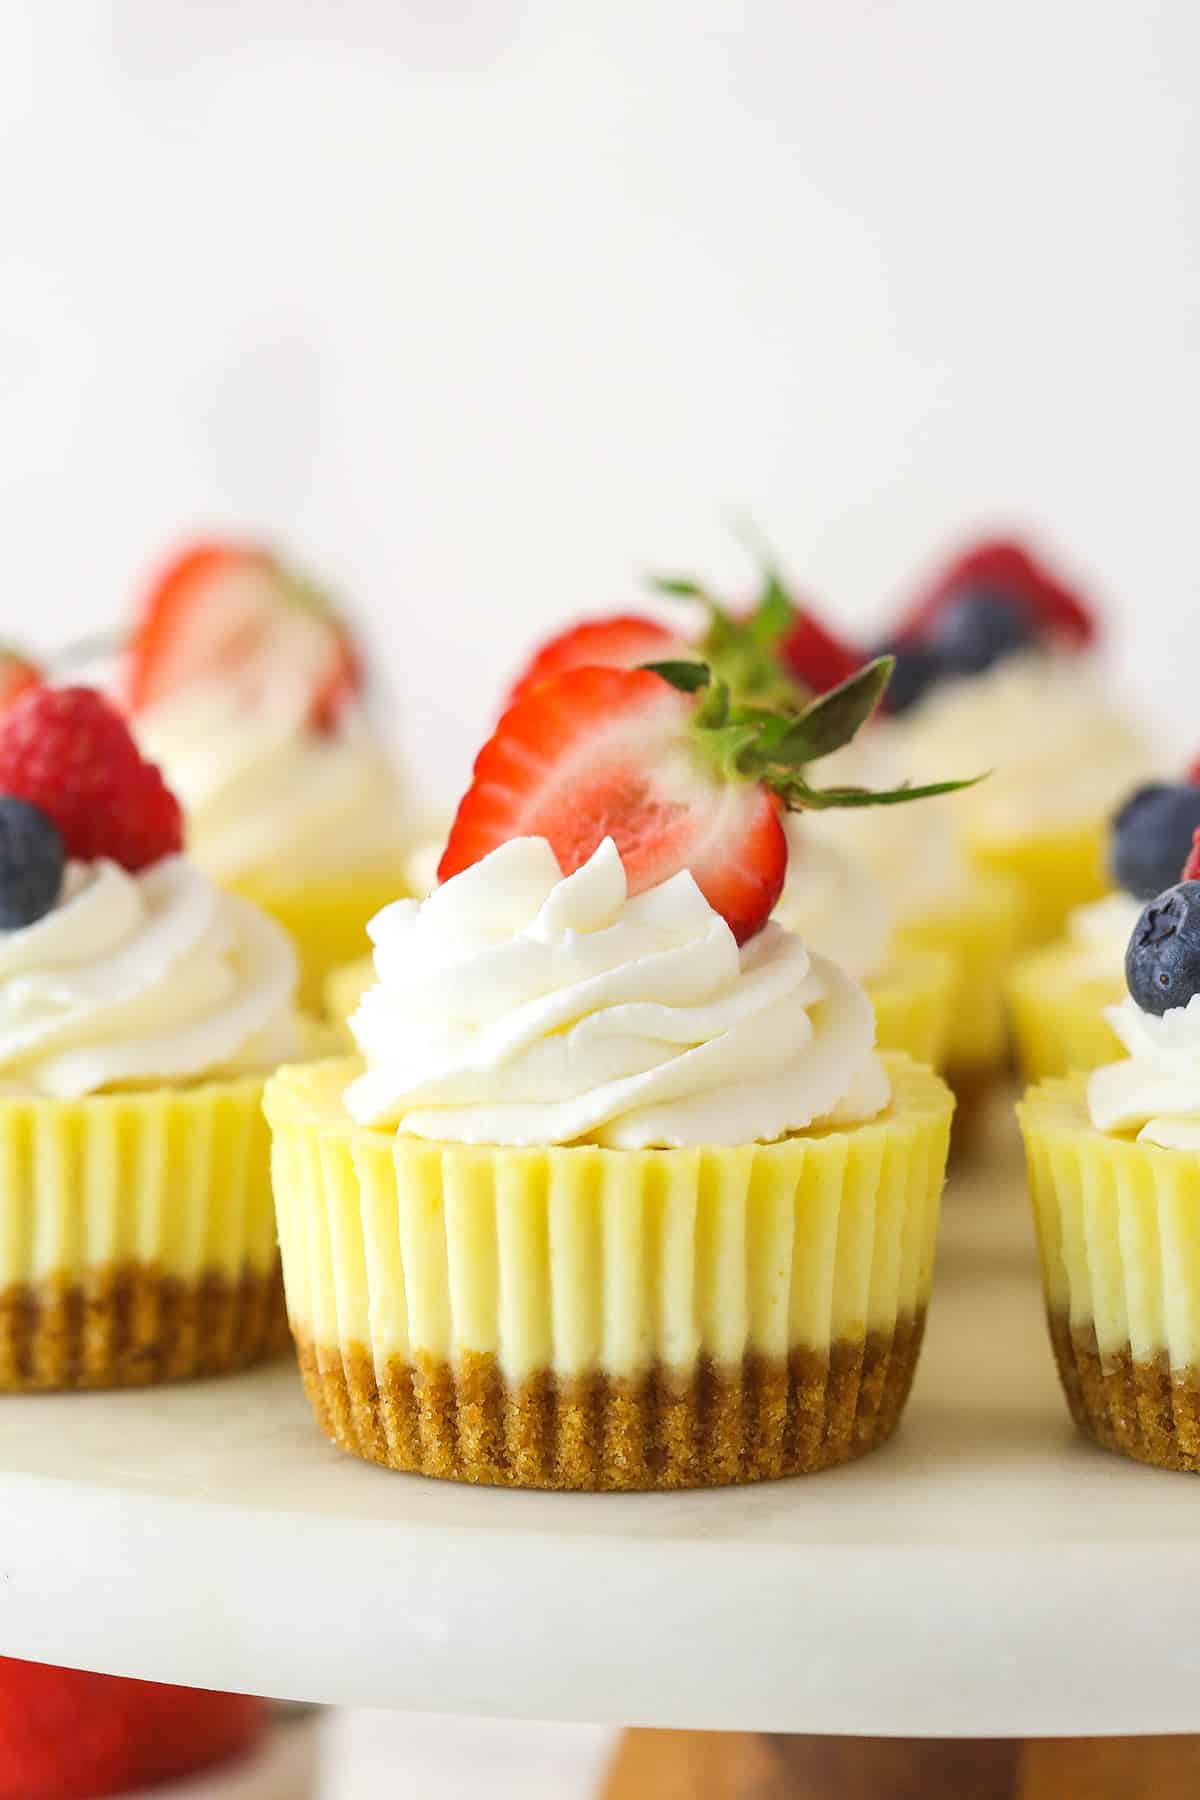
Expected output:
(68, 1735)
(69, 752)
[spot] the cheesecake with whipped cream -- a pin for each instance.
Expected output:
(605, 1201)
(1114, 1170)
(141, 1007)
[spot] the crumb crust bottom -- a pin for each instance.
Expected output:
(711, 1427)
(1137, 1408)
(129, 1325)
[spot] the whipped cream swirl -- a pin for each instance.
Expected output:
(1156, 1092)
(263, 790)
(136, 979)
(519, 1006)
(1059, 752)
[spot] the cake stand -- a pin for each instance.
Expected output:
(988, 1574)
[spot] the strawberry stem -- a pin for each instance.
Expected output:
(745, 651)
(763, 744)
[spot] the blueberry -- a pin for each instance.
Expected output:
(979, 627)
(1150, 837)
(1162, 963)
(32, 859)
(917, 668)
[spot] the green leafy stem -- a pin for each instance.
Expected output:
(775, 747)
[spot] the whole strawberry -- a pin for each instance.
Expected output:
(665, 762)
(68, 752)
(69, 1735)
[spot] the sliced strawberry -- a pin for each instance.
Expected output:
(624, 641)
(663, 762)
(1007, 568)
(234, 613)
(17, 675)
(596, 753)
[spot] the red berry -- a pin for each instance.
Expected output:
(624, 641)
(1191, 868)
(68, 751)
(816, 656)
(1006, 568)
(69, 1735)
(596, 753)
(235, 613)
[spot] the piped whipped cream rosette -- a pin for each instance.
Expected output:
(136, 979)
(1060, 995)
(619, 1193)
(244, 681)
(1114, 1162)
(141, 1007)
(601, 1019)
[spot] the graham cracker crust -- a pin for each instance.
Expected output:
(756, 1421)
(130, 1326)
(1139, 1409)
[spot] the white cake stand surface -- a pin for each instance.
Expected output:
(988, 1574)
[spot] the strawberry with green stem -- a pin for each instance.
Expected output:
(676, 770)
(776, 651)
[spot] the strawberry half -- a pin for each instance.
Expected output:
(235, 613)
(624, 641)
(663, 762)
(1007, 568)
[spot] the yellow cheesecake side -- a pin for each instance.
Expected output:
(1118, 1228)
(137, 1236)
(501, 1314)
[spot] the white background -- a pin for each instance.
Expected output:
(487, 305)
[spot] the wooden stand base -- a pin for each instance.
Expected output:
(701, 1765)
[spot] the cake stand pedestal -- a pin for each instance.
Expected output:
(694, 1765)
(986, 1575)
